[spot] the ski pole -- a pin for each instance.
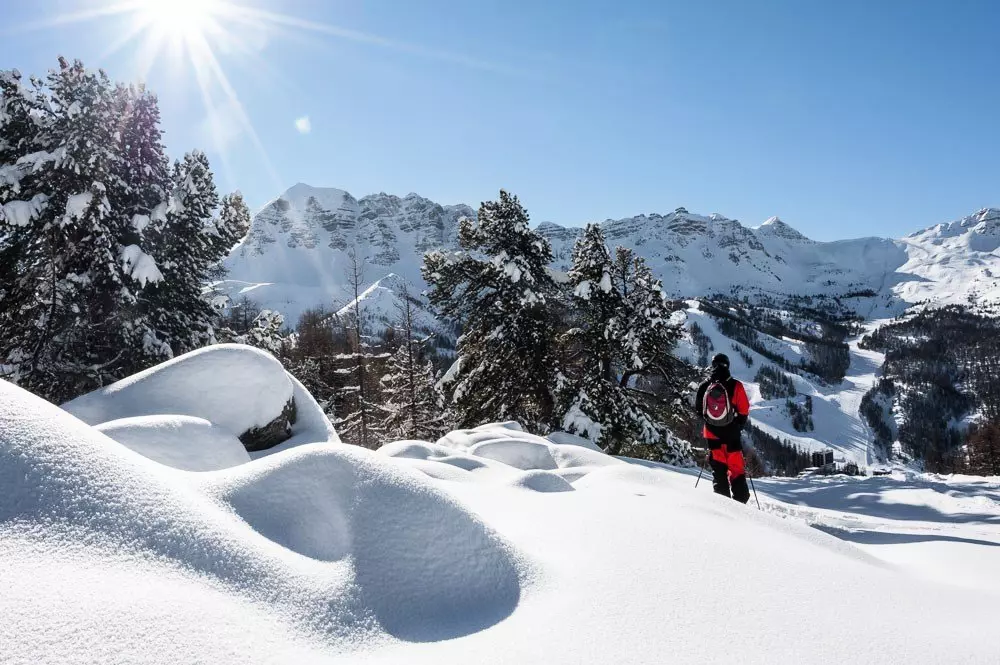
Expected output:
(754, 491)
(701, 470)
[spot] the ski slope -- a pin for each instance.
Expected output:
(488, 546)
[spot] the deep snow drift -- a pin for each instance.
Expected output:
(488, 546)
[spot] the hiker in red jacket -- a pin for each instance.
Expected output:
(722, 403)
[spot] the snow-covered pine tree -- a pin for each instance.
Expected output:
(21, 117)
(498, 288)
(229, 227)
(188, 242)
(69, 316)
(596, 403)
(143, 163)
(619, 331)
(648, 335)
(144, 167)
(410, 407)
(652, 373)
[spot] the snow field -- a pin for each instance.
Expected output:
(490, 545)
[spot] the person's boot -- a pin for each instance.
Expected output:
(741, 492)
(720, 478)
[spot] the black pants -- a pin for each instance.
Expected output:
(728, 471)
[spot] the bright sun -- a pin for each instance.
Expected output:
(179, 20)
(196, 39)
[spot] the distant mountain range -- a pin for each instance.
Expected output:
(295, 255)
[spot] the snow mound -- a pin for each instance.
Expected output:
(468, 549)
(332, 540)
(507, 444)
(425, 565)
(231, 385)
(542, 481)
(567, 439)
(182, 442)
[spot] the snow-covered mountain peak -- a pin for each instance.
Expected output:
(299, 195)
(776, 228)
(979, 232)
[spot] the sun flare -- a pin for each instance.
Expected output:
(179, 20)
(197, 40)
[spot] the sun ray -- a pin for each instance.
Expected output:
(276, 18)
(195, 34)
(220, 77)
(134, 30)
(82, 16)
(215, 130)
(147, 55)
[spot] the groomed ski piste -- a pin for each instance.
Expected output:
(134, 528)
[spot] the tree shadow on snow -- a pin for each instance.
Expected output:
(885, 538)
(869, 497)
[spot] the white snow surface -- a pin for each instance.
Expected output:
(77, 204)
(490, 545)
(182, 442)
(21, 213)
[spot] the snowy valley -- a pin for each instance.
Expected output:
(795, 308)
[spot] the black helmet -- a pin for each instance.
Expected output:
(720, 360)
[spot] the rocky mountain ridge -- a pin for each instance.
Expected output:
(297, 250)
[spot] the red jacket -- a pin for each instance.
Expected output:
(729, 434)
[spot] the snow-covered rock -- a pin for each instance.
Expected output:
(235, 388)
(231, 385)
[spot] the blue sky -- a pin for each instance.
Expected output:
(844, 118)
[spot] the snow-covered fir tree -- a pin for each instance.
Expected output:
(103, 249)
(498, 287)
(619, 332)
(69, 314)
(143, 161)
(649, 337)
(189, 241)
(21, 113)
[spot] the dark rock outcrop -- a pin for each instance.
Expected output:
(273, 433)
